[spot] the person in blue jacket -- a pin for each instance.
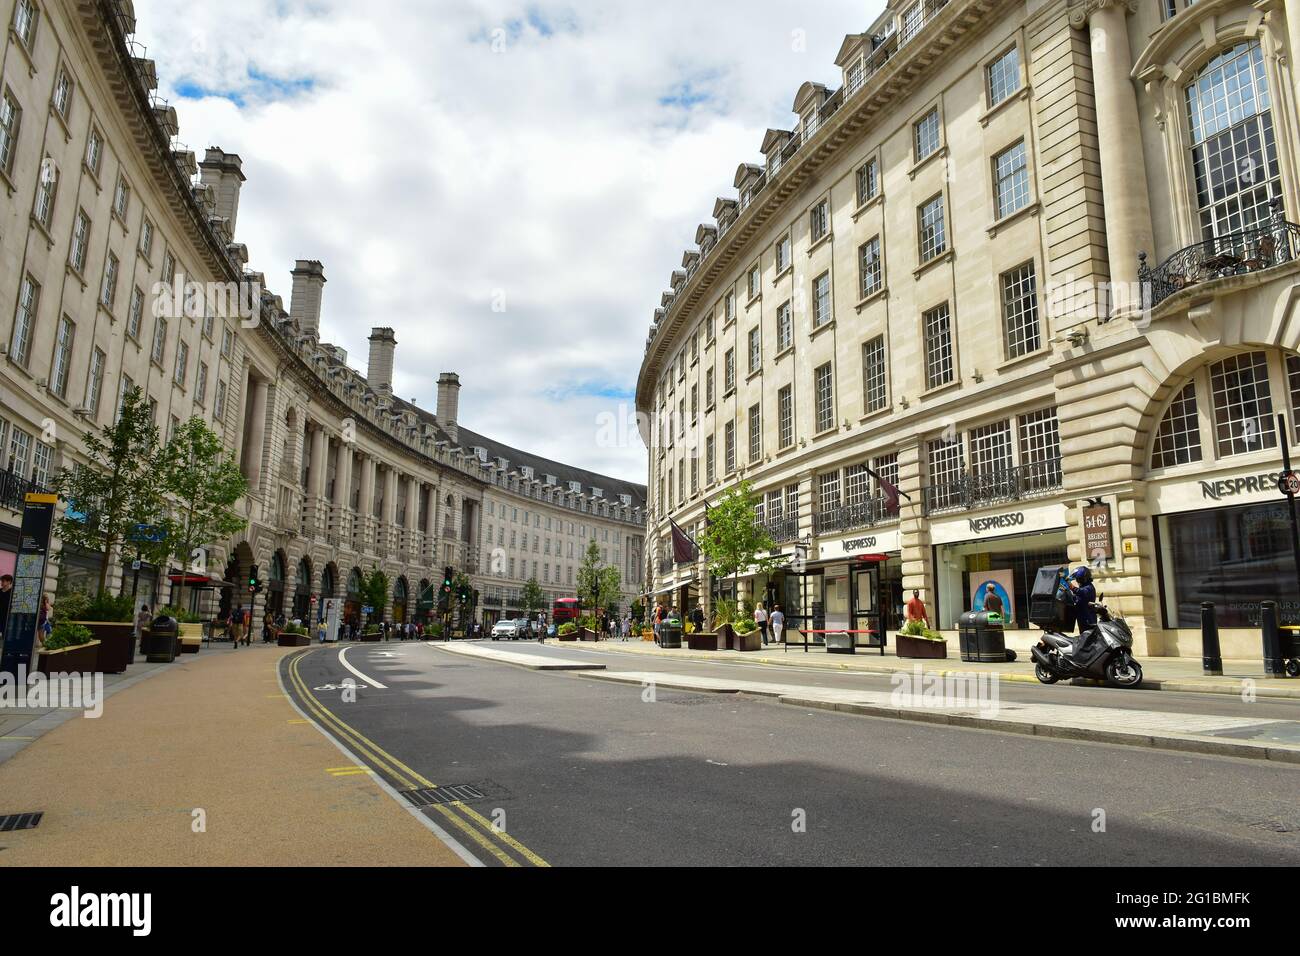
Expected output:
(1083, 594)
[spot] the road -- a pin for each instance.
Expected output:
(586, 772)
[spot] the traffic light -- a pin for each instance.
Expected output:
(444, 593)
(254, 581)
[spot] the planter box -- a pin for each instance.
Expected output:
(703, 641)
(752, 641)
(370, 638)
(116, 645)
(294, 640)
(82, 659)
(568, 637)
(727, 637)
(587, 634)
(918, 648)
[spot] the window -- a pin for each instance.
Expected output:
(1243, 407)
(201, 384)
(121, 198)
(80, 242)
(1003, 76)
(47, 186)
(227, 342)
(875, 389)
(1020, 311)
(168, 266)
(820, 221)
(938, 346)
(20, 450)
(94, 151)
(729, 447)
(1293, 385)
(1010, 180)
(1040, 449)
(1178, 439)
(755, 433)
(708, 459)
(729, 306)
(108, 293)
(933, 238)
(1234, 154)
(828, 490)
(695, 349)
(869, 273)
(925, 134)
(755, 350)
(159, 341)
(25, 22)
(124, 388)
(95, 381)
(182, 363)
(695, 404)
(62, 364)
(782, 254)
(29, 299)
(708, 388)
(823, 389)
(729, 371)
(784, 328)
(990, 450)
(755, 281)
(946, 465)
(868, 182)
(10, 120)
(695, 474)
(821, 300)
(146, 238)
(63, 93)
(136, 313)
(785, 416)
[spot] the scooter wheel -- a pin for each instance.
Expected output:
(1293, 668)
(1044, 675)
(1123, 672)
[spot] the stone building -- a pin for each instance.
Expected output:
(1033, 264)
(120, 267)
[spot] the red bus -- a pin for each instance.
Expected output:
(565, 609)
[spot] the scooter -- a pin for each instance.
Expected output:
(1103, 652)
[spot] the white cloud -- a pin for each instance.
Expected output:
(426, 171)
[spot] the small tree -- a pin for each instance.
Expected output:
(203, 480)
(734, 540)
(374, 590)
(589, 578)
(637, 611)
(117, 488)
(610, 589)
(534, 599)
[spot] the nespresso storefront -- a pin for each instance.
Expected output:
(854, 582)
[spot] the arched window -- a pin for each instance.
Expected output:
(1234, 154)
(1178, 440)
(354, 583)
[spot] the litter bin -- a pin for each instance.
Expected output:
(670, 632)
(981, 637)
(159, 640)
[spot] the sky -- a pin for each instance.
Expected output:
(506, 185)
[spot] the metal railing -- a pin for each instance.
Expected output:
(865, 514)
(991, 486)
(782, 530)
(14, 488)
(1266, 245)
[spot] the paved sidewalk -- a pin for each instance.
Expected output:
(1159, 673)
(963, 705)
(212, 733)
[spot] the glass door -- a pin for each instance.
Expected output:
(866, 610)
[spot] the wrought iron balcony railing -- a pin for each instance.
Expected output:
(666, 565)
(866, 514)
(782, 530)
(975, 489)
(1266, 245)
(14, 489)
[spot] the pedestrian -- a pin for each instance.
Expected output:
(777, 624)
(45, 619)
(697, 618)
(6, 596)
(760, 618)
(992, 603)
(142, 619)
(916, 609)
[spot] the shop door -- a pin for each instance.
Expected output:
(866, 610)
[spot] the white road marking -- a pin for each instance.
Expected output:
(343, 659)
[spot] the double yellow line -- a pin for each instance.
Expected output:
(471, 823)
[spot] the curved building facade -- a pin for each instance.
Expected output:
(1033, 264)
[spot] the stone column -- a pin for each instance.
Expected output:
(914, 529)
(1293, 41)
(343, 493)
(366, 506)
(431, 526)
(390, 533)
(257, 435)
(1123, 175)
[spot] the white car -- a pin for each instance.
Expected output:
(510, 630)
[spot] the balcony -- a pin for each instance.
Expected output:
(782, 530)
(666, 565)
(993, 486)
(864, 514)
(1266, 245)
(14, 488)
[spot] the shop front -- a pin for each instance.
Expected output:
(855, 583)
(1004, 549)
(1223, 539)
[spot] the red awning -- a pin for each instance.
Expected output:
(198, 581)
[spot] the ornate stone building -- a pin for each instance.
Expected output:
(1033, 264)
(120, 267)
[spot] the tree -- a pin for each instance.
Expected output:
(117, 489)
(734, 540)
(204, 481)
(610, 589)
(534, 598)
(637, 611)
(374, 590)
(589, 577)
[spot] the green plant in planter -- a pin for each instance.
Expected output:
(103, 608)
(724, 612)
(746, 625)
(434, 629)
(588, 621)
(182, 617)
(68, 635)
(568, 627)
(918, 629)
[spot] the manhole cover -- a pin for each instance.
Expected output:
(20, 821)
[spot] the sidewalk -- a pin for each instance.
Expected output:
(1255, 738)
(1159, 673)
(212, 733)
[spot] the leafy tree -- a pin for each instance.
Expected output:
(117, 488)
(611, 589)
(204, 481)
(588, 583)
(534, 599)
(638, 611)
(734, 541)
(374, 591)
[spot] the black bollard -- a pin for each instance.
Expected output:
(1274, 665)
(1211, 656)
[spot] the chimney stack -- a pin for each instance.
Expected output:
(224, 173)
(308, 284)
(448, 401)
(379, 373)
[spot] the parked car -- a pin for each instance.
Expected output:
(510, 630)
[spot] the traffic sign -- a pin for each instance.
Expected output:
(1289, 483)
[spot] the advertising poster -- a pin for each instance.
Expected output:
(1003, 586)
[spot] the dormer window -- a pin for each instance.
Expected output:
(853, 77)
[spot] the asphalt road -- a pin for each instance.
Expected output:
(585, 772)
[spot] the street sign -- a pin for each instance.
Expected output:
(135, 565)
(29, 582)
(1097, 543)
(1289, 483)
(147, 533)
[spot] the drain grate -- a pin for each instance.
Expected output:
(463, 792)
(697, 699)
(20, 821)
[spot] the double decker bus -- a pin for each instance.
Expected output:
(564, 609)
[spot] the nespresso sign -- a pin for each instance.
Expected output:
(859, 544)
(1015, 519)
(1233, 487)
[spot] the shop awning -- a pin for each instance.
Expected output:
(198, 581)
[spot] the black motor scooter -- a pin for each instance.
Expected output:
(1103, 652)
